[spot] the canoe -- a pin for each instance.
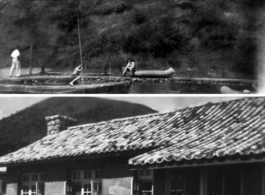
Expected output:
(105, 88)
(228, 90)
(41, 86)
(154, 73)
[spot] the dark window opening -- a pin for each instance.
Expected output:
(143, 188)
(185, 182)
(215, 182)
(252, 181)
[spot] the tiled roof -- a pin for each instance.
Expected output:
(213, 129)
(228, 128)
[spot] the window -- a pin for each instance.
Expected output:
(215, 182)
(224, 180)
(184, 182)
(87, 189)
(32, 184)
(144, 184)
(97, 188)
(76, 175)
(98, 174)
(25, 190)
(33, 190)
(25, 178)
(88, 175)
(86, 182)
(145, 173)
(34, 177)
(252, 179)
(42, 177)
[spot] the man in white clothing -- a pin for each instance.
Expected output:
(15, 62)
(76, 76)
(129, 67)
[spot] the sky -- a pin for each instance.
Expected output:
(12, 104)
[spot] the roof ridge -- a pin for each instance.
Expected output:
(160, 113)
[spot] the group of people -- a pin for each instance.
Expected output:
(16, 67)
(130, 67)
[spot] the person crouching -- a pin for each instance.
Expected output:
(76, 75)
(130, 67)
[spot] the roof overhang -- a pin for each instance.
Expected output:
(225, 160)
(128, 154)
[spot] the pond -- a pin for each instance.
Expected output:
(157, 87)
(175, 88)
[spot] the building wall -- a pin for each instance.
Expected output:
(116, 176)
(2, 183)
(240, 179)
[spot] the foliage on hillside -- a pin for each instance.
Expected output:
(149, 31)
(29, 125)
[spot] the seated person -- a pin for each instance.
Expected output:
(129, 67)
(76, 74)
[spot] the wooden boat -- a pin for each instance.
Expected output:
(228, 90)
(154, 73)
(59, 85)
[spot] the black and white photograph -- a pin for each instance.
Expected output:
(132, 145)
(132, 97)
(132, 46)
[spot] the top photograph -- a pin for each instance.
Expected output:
(132, 47)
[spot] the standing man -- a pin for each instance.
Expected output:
(15, 62)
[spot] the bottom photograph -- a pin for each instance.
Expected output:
(135, 145)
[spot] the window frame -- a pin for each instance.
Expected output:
(84, 180)
(31, 180)
(143, 178)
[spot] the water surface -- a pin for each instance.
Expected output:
(155, 87)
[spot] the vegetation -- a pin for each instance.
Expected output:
(185, 34)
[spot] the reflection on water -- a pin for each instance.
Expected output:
(173, 88)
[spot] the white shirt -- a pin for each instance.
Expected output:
(15, 54)
(77, 70)
(130, 65)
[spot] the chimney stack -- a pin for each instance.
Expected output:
(58, 123)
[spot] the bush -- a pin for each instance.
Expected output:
(157, 36)
(121, 7)
(116, 7)
(104, 9)
(245, 60)
(138, 17)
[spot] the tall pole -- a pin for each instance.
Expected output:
(80, 46)
(80, 51)
(31, 51)
(110, 68)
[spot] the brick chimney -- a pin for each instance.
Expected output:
(58, 123)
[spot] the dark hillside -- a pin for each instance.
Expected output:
(29, 125)
(196, 37)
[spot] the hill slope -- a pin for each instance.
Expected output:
(196, 37)
(29, 125)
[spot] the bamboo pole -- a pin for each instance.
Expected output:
(31, 51)
(80, 51)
